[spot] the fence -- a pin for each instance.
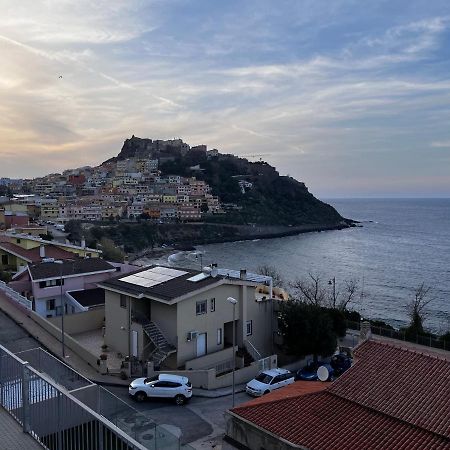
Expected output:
(426, 340)
(88, 417)
(13, 295)
(53, 417)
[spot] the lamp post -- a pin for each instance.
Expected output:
(233, 301)
(197, 256)
(333, 282)
(63, 305)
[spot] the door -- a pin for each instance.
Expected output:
(201, 344)
(134, 343)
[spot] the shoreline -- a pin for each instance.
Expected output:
(249, 233)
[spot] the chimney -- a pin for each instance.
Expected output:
(83, 242)
(42, 251)
(243, 274)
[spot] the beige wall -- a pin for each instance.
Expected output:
(115, 318)
(81, 322)
(204, 323)
(70, 342)
(176, 321)
(165, 317)
(211, 360)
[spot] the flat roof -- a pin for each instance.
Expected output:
(89, 297)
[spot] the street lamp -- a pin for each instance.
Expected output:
(333, 282)
(197, 256)
(233, 301)
(63, 304)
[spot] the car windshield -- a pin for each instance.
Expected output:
(264, 378)
(149, 380)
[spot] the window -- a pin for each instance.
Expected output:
(277, 379)
(200, 307)
(249, 327)
(219, 336)
(50, 304)
(123, 301)
(5, 260)
(18, 241)
(213, 304)
(50, 283)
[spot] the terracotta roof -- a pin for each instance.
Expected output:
(401, 383)
(292, 390)
(323, 421)
(392, 398)
(32, 255)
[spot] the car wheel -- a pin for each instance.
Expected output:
(140, 396)
(180, 399)
(266, 392)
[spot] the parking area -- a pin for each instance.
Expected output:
(201, 421)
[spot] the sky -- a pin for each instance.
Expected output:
(351, 97)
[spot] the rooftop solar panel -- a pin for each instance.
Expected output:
(152, 277)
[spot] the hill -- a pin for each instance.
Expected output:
(252, 192)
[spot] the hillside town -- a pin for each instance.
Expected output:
(128, 188)
(208, 338)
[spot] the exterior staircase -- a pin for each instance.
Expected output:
(162, 346)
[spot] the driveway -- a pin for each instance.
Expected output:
(199, 420)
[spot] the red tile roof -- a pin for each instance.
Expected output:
(392, 398)
(292, 390)
(322, 421)
(401, 383)
(32, 255)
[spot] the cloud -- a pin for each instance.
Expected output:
(313, 86)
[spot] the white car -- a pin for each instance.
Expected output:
(161, 386)
(269, 380)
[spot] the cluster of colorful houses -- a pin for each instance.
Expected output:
(125, 188)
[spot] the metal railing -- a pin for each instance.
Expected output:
(223, 367)
(264, 364)
(83, 417)
(53, 417)
(13, 295)
(58, 371)
(428, 340)
(254, 353)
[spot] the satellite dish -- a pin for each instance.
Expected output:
(325, 372)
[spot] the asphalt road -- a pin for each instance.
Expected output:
(199, 419)
(13, 337)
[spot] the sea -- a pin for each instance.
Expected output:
(399, 244)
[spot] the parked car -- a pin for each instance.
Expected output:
(340, 363)
(309, 372)
(269, 380)
(162, 386)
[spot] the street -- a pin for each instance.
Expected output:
(199, 420)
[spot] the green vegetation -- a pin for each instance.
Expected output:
(310, 329)
(131, 237)
(272, 199)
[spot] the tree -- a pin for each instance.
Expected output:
(310, 290)
(307, 329)
(417, 310)
(74, 230)
(271, 271)
(110, 251)
(314, 291)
